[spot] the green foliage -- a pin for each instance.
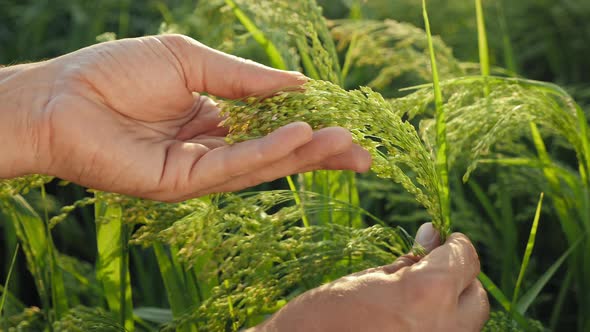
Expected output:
(256, 244)
(228, 261)
(112, 268)
(394, 48)
(29, 320)
(264, 257)
(40, 252)
(476, 123)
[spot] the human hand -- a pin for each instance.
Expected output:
(439, 292)
(126, 117)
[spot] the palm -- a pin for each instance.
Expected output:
(128, 117)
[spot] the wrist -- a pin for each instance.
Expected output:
(24, 92)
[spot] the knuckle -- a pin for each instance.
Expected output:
(468, 252)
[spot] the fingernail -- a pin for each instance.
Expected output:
(427, 237)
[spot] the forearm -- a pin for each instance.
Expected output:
(24, 90)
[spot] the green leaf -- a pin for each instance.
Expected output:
(334, 186)
(112, 269)
(178, 296)
(527, 299)
(7, 283)
(155, 315)
(40, 253)
(528, 251)
(497, 294)
(484, 60)
(441, 162)
(59, 297)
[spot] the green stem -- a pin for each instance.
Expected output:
(298, 200)
(441, 137)
(123, 270)
(348, 59)
(5, 289)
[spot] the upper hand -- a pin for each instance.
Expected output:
(129, 116)
(439, 292)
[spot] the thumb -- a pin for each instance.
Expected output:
(427, 237)
(224, 75)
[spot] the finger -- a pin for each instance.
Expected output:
(456, 263)
(222, 164)
(474, 307)
(324, 144)
(427, 237)
(224, 75)
(400, 263)
(355, 159)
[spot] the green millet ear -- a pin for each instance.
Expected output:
(397, 150)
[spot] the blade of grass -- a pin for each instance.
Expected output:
(356, 10)
(10, 240)
(13, 306)
(335, 186)
(59, 297)
(348, 59)
(7, 283)
(496, 293)
(155, 315)
(528, 162)
(583, 123)
(125, 278)
(31, 231)
(441, 136)
(271, 50)
(528, 252)
(297, 198)
(111, 267)
(307, 62)
(175, 290)
(527, 299)
(482, 39)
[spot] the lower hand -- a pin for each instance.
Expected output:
(439, 292)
